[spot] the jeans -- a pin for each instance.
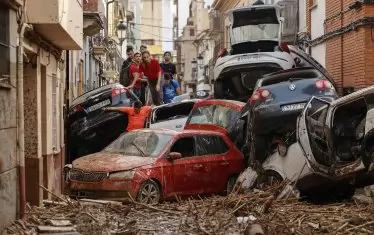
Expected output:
(137, 92)
(157, 96)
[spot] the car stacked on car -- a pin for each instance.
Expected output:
(273, 106)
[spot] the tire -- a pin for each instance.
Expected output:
(149, 192)
(218, 90)
(230, 185)
(267, 179)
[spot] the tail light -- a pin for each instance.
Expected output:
(118, 91)
(324, 85)
(222, 53)
(76, 109)
(259, 95)
(285, 48)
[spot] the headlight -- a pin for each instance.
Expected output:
(122, 175)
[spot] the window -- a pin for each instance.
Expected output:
(219, 115)
(185, 146)
(210, 145)
(54, 111)
(192, 32)
(4, 41)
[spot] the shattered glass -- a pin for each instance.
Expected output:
(142, 144)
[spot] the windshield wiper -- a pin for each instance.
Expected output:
(140, 151)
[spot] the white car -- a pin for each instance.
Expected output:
(256, 49)
(171, 116)
(333, 152)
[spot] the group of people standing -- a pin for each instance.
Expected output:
(140, 72)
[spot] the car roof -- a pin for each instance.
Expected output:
(176, 103)
(174, 133)
(233, 103)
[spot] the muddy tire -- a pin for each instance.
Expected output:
(149, 192)
(268, 179)
(230, 185)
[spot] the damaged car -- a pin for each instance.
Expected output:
(151, 165)
(90, 129)
(281, 96)
(219, 115)
(256, 49)
(333, 152)
(171, 116)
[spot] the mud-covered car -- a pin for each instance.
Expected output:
(334, 151)
(90, 129)
(219, 115)
(171, 116)
(278, 100)
(256, 49)
(153, 165)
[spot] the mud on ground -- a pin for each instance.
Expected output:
(257, 212)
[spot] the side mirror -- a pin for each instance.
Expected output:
(174, 156)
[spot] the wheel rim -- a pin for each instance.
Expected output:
(149, 194)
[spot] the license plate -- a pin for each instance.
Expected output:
(98, 105)
(247, 57)
(292, 107)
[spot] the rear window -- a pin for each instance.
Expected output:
(172, 112)
(218, 115)
(292, 76)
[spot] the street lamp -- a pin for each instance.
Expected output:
(200, 60)
(121, 32)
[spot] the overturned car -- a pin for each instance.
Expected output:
(333, 152)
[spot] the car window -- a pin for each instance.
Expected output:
(292, 76)
(172, 112)
(218, 115)
(185, 146)
(210, 145)
(137, 143)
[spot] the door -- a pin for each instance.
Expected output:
(315, 136)
(188, 173)
(215, 150)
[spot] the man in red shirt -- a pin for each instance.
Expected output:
(151, 69)
(135, 76)
(137, 115)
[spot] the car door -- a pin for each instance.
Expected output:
(189, 174)
(317, 138)
(215, 150)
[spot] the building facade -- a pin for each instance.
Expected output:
(32, 145)
(348, 39)
(151, 26)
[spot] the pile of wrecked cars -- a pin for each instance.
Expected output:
(276, 115)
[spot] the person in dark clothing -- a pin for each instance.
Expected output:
(124, 77)
(168, 67)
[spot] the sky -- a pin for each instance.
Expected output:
(168, 19)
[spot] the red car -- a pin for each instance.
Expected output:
(155, 164)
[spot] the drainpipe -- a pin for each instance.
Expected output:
(20, 121)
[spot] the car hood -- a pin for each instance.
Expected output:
(109, 162)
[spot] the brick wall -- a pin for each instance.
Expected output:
(349, 57)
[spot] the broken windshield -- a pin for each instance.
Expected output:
(137, 143)
(218, 115)
(255, 33)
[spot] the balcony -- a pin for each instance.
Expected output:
(99, 45)
(58, 21)
(92, 22)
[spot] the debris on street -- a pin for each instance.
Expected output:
(257, 212)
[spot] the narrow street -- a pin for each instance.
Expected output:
(237, 117)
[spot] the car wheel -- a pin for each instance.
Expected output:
(218, 90)
(268, 179)
(230, 186)
(149, 193)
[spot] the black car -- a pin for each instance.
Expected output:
(90, 129)
(278, 100)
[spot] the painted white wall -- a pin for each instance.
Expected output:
(317, 18)
(302, 16)
(167, 23)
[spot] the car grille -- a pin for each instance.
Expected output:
(79, 175)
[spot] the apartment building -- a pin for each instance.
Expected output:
(151, 25)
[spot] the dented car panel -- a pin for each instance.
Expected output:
(208, 160)
(331, 147)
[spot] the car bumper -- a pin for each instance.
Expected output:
(119, 190)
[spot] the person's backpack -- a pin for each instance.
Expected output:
(124, 77)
